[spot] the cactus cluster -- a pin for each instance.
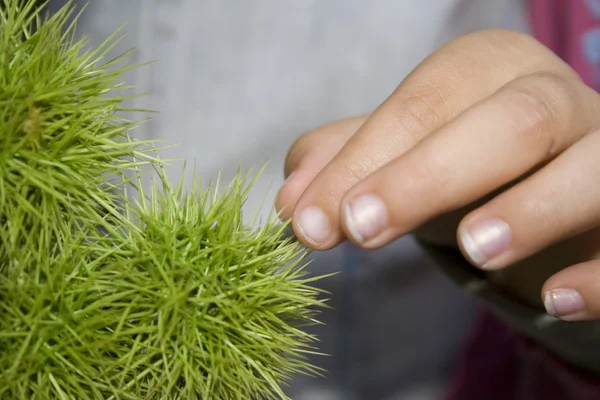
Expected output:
(110, 291)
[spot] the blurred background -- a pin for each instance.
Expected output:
(237, 81)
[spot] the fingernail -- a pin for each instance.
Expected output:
(313, 225)
(486, 240)
(366, 217)
(563, 302)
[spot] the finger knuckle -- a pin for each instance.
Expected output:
(422, 111)
(544, 103)
(546, 97)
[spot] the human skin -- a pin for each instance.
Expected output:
(490, 145)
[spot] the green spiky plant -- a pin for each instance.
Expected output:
(109, 292)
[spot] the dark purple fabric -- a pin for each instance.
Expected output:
(489, 365)
(498, 364)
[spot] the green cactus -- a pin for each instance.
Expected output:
(109, 292)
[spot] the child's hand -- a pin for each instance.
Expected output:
(493, 115)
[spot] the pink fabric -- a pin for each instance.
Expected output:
(571, 28)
